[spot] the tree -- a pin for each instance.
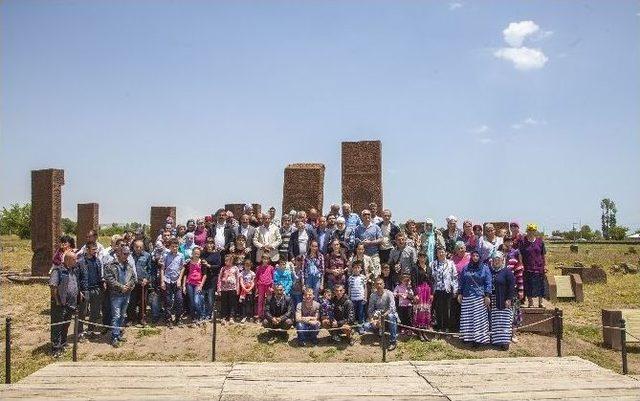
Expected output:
(586, 233)
(608, 216)
(16, 220)
(618, 233)
(68, 226)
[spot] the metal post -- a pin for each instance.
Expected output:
(623, 346)
(557, 323)
(383, 340)
(7, 351)
(213, 335)
(76, 327)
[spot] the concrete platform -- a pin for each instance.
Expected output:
(568, 378)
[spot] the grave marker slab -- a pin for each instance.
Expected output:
(303, 187)
(46, 213)
(362, 174)
(88, 219)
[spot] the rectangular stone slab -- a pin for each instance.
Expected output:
(564, 289)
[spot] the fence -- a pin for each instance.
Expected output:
(382, 332)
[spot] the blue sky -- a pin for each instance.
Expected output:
(487, 110)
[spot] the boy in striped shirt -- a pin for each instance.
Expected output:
(358, 292)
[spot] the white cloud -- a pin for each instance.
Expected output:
(542, 35)
(529, 121)
(517, 126)
(455, 6)
(523, 58)
(480, 130)
(516, 32)
(485, 141)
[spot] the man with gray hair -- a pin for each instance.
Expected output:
(121, 280)
(63, 282)
(352, 220)
(267, 240)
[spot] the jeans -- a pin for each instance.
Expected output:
(90, 307)
(210, 300)
(196, 302)
(308, 335)
(60, 313)
(172, 301)
(295, 300)
(314, 283)
(155, 304)
(119, 303)
(391, 325)
(358, 308)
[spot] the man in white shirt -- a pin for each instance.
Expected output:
(267, 239)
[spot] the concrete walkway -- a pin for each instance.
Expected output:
(568, 378)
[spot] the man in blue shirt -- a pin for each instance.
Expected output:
(370, 235)
(352, 220)
(91, 286)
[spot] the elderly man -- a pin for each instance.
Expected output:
(279, 311)
(452, 234)
(352, 220)
(370, 235)
(382, 306)
(343, 315)
(300, 239)
(63, 282)
(91, 285)
(138, 301)
(222, 233)
(345, 236)
(274, 219)
(403, 257)
(120, 278)
(323, 235)
(249, 231)
(267, 240)
(231, 221)
(389, 232)
(286, 231)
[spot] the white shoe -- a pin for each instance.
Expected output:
(244, 319)
(514, 339)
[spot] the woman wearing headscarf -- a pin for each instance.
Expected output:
(200, 234)
(533, 252)
(460, 259)
(421, 278)
(488, 244)
(503, 285)
(430, 239)
(468, 236)
(474, 296)
(445, 286)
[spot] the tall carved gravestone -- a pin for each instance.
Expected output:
(46, 213)
(238, 209)
(87, 221)
(159, 215)
(362, 174)
(303, 187)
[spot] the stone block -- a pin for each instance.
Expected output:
(159, 215)
(362, 174)
(589, 275)
(533, 315)
(303, 187)
(88, 219)
(46, 213)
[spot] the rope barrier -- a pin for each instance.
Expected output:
(330, 329)
(60, 323)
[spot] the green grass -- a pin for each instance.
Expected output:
(148, 331)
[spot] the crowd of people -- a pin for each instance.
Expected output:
(343, 271)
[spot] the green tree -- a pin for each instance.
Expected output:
(608, 216)
(16, 220)
(68, 226)
(586, 233)
(618, 233)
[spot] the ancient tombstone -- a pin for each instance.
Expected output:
(362, 174)
(567, 287)
(238, 209)
(46, 213)
(158, 218)
(589, 275)
(87, 221)
(531, 317)
(303, 187)
(611, 320)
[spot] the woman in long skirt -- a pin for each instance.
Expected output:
(503, 283)
(474, 291)
(423, 297)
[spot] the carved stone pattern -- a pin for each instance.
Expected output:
(362, 174)
(303, 187)
(87, 220)
(159, 215)
(46, 213)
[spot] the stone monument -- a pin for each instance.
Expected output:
(46, 213)
(362, 174)
(303, 187)
(87, 220)
(159, 215)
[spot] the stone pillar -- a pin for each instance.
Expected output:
(46, 213)
(303, 187)
(362, 174)
(159, 215)
(87, 221)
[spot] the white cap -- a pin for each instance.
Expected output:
(340, 220)
(452, 218)
(429, 221)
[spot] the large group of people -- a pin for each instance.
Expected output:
(345, 272)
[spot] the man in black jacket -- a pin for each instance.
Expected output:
(343, 316)
(300, 239)
(278, 313)
(222, 233)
